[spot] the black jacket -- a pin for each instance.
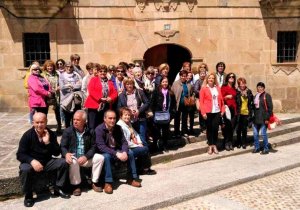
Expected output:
(250, 102)
(261, 114)
(158, 99)
(68, 142)
(31, 148)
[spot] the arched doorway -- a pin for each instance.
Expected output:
(172, 54)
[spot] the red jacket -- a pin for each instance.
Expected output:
(227, 90)
(95, 93)
(205, 99)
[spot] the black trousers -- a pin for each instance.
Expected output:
(212, 127)
(241, 131)
(183, 113)
(229, 127)
(56, 164)
(162, 133)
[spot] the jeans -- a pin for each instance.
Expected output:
(141, 127)
(264, 135)
(142, 156)
(109, 159)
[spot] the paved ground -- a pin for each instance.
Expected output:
(279, 191)
(173, 185)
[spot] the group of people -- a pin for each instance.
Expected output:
(113, 112)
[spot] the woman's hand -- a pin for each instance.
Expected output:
(204, 117)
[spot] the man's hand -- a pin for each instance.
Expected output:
(36, 165)
(69, 158)
(46, 137)
(122, 156)
(82, 160)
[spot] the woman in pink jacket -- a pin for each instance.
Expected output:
(212, 109)
(39, 89)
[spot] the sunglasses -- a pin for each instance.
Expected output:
(35, 69)
(102, 71)
(60, 64)
(120, 71)
(231, 76)
(76, 59)
(151, 73)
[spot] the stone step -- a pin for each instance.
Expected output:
(191, 150)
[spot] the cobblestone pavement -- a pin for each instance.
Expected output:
(279, 191)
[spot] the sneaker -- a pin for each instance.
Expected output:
(264, 152)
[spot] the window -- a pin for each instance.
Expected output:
(286, 46)
(36, 47)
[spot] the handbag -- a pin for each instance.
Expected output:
(189, 101)
(162, 117)
(273, 120)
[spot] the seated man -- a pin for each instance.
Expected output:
(112, 144)
(36, 148)
(78, 147)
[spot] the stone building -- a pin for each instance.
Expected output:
(257, 39)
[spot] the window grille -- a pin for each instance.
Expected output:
(36, 47)
(286, 46)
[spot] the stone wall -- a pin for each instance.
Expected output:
(107, 32)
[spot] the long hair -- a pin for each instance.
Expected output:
(205, 82)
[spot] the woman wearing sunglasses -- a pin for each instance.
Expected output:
(229, 95)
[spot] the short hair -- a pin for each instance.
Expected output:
(108, 111)
(74, 56)
(96, 66)
(84, 114)
(104, 67)
(202, 66)
(241, 80)
(124, 64)
(123, 110)
(261, 84)
(128, 81)
(131, 65)
(182, 72)
(60, 60)
(137, 69)
(120, 67)
(219, 64)
(163, 66)
(49, 63)
(150, 70)
(111, 68)
(186, 63)
(89, 66)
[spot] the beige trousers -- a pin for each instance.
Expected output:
(96, 163)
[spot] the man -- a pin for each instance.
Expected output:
(78, 148)
(36, 148)
(112, 144)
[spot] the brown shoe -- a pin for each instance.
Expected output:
(133, 183)
(77, 192)
(108, 188)
(97, 188)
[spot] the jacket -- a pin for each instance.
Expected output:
(261, 114)
(95, 93)
(127, 134)
(37, 93)
(142, 102)
(102, 140)
(178, 89)
(206, 100)
(69, 142)
(31, 148)
(250, 104)
(158, 100)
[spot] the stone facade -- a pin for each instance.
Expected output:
(243, 34)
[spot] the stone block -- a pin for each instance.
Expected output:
(250, 57)
(291, 92)
(278, 93)
(289, 104)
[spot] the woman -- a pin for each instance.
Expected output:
(138, 103)
(120, 72)
(197, 87)
(86, 79)
(138, 78)
(39, 89)
(70, 83)
(229, 95)
(262, 112)
(212, 109)
(182, 90)
(53, 78)
(191, 109)
(149, 82)
(164, 69)
(60, 68)
(245, 106)
(163, 100)
(140, 152)
(102, 94)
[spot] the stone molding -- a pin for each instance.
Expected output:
(285, 68)
(166, 5)
(166, 33)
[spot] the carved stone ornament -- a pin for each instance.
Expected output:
(141, 4)
(285, 69)
(166, 33)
